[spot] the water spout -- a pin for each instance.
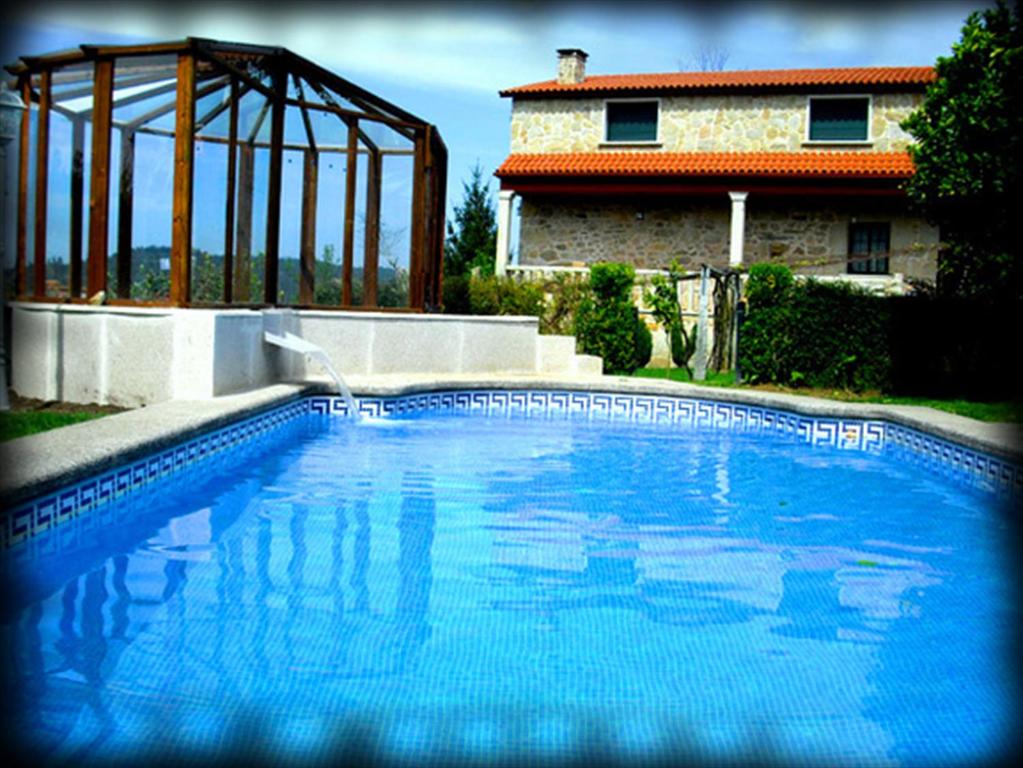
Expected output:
(297, 344)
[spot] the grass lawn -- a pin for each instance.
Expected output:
(1006, 411)
(28, 416)
(20, 423)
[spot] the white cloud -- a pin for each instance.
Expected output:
(437, 47)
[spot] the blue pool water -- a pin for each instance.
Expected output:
(483, 588)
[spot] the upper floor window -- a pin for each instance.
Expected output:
(869, 243)
(843, 118)
(631, 121)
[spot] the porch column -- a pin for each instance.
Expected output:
(504, 223)
(738, 227)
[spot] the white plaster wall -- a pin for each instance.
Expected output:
(135, 356)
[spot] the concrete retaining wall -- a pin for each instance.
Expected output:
(137, 356)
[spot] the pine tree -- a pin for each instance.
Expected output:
(472, 238)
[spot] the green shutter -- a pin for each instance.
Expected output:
(838, 119)
(632, 121)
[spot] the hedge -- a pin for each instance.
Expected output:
(837, 335)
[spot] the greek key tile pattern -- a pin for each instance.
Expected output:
(93, 495)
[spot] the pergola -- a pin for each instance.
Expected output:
(247, 109)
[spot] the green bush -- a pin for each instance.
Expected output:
(644, 343)
(567, 292)
(607, 321)
(829, 335)
(493, 295)
(456, 294)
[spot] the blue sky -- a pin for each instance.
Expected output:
(446, 62)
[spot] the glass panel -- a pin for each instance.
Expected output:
(395, 227)
(632, 121)
(330, 208)
(209, 190)
(152, 214)
(838, 119)
(291, 227)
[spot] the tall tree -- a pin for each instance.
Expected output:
(968, 157)
(472, 237)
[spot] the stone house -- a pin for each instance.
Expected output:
(723, 168)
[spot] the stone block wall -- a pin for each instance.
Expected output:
(723, 123)
(812, 236)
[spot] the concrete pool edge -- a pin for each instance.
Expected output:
(41, 463)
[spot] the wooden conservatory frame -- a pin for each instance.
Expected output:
(204, 67)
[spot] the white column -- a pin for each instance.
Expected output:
(504, 224)
(738, 228)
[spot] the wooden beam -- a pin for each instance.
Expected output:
(243, 243)
(417, 244)
(184, 150)
(310, 136)
(273, 194)
(99, 178)
(42, 174)
(349, 225)
(336, 109)
(125, 207)
(77, 204)
(307, 274)
(232, 169)
(170, 106)
(24, 154)
(371, 249)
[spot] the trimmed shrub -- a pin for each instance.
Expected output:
(829, 335)
(456, 295)
(607, 323)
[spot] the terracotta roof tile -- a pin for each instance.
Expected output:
(746, 79)
(838, 164)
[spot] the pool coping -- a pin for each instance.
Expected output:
(44, 462)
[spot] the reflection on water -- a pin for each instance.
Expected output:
(487, 586)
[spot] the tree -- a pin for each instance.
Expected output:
(968, 157)
(472, 238)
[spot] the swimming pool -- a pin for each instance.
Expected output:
(485, 575)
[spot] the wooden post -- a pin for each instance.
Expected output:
(243, 243)
(77, 202)
(184, 151)
(352, 159)
(371, 249)
(20, 283)
(307, 274)
(417, 243)
(273, 194)
(232, 165)
(42, 168)
(125, 206)
(99, 177)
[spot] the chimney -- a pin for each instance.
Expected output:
(571, 66)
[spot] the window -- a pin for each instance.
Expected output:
(841, 119)
(868, 248)
(631, 121)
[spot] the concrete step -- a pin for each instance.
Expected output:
(555, 354)
(588, 365)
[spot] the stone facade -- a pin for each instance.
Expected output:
(811, 236)
(721, 123)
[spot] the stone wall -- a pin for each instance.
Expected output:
(723, 123)
(809, 235)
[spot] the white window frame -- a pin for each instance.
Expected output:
(839, 142)
(605, 142)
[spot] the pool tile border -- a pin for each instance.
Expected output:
(963, 464)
